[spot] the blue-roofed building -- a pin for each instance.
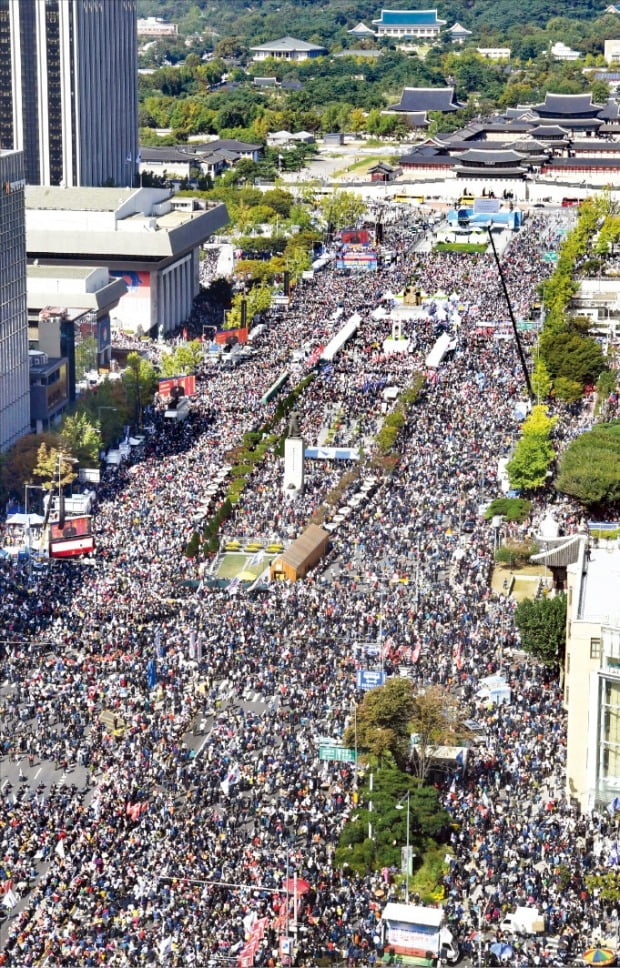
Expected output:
(409, 25)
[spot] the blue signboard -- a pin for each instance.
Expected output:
(370, 678)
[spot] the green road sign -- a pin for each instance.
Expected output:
(340, 753)
(550, 257)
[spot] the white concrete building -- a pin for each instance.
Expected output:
(14, 374)
(562, 52)
(138, 234)
(422, 25)
(494, 53)
(592, 675)
(287, 48)
(155, 27)
(612, 52)
(68, 89)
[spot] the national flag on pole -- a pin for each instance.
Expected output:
(233, 586)
(151, 674)
(10, 899)
(256, 559)
(231, 777)
(165, 947)
(138, 158)
(129, 158)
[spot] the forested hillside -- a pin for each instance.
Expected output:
(190, 94)
(327, 20)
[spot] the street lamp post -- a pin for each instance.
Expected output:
(399, 806)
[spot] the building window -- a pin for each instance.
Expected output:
(609, 751)
(595, 648)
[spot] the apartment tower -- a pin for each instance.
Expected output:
(14, 373)
(68, 89)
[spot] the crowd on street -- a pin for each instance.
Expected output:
(186, 718)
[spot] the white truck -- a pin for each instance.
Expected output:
(419, 932)
(524, 920)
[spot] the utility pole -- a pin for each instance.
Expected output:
(526, 374)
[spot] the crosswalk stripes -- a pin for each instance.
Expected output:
(112, 722)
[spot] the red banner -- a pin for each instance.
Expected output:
(72, 547)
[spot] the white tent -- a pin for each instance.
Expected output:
(25, 519)
(495, 689)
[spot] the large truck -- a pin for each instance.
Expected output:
(418, 935)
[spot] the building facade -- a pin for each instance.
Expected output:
(287, 48)
(68, 89)
(14, 380)
(144, 237)
(592, 675)
(156, 27)
(421, 25)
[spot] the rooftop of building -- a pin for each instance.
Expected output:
(418, 99)
(409, 18)
(569, 105)
(288, 44)
(599, 589)
(76, 199)
(60, 272)
(362, 30)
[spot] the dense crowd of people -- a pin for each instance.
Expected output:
(203, 793)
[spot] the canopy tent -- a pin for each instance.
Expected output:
(25, 520)
(494, 688)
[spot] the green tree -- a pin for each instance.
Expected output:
(140, 381)
(542, 627)
(590, 466)
(533, 454)
(579, 358)
(19, 462)
(85, 357)
(54, 468)
(437, 719)
(528, 467)
(80, 438)
(605, 884)
(511, 508)
(342, 209)
(541, 379)
(382, 812)
(183, 360)
(383, 720)
(567, 390)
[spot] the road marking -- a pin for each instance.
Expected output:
(37, 773)
(4, 784)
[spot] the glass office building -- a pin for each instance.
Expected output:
(68, 89)
(14, 376)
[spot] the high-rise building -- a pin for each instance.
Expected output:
(14, 373)
(68, 89)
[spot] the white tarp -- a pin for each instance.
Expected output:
(495, 689)
(335, 345)
(442, 345)
(25, 519)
